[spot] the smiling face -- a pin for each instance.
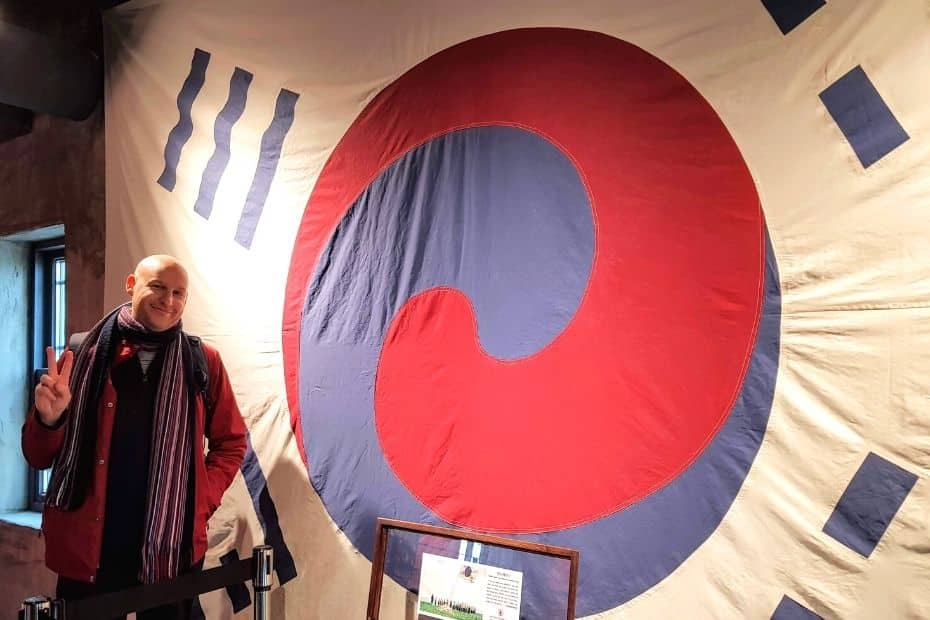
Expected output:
(158, 289)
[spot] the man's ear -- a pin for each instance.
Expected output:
(130, 283)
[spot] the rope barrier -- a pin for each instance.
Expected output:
(257, 568)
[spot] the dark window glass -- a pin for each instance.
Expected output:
(49, 305)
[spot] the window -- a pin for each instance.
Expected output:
(48, 329)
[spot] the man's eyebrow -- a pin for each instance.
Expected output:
(157, 281)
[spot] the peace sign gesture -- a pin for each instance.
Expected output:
(52, 392)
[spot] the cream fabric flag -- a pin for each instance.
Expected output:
(643, 279)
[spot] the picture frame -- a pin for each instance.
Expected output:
(494, 573)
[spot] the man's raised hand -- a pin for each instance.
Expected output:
(52, 392)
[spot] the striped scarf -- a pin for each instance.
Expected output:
(172, 441)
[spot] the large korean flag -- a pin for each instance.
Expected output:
(644, 279)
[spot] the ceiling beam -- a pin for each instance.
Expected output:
(46, 75)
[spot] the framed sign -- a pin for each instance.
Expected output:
(462, 575)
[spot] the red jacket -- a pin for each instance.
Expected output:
(73, 538)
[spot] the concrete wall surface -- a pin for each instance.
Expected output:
(52, 176)
(22, 567)
(15, 264)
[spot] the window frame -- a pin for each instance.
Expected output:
(42, 325)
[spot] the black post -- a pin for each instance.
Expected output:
(34, 606)
(261, 581)
(58, 609)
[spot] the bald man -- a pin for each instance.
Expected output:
(122, 421)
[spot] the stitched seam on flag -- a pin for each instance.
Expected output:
(584, 181)
(295, 331)
(525, 127)
(747, 356)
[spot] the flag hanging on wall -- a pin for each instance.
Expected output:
(643, 280)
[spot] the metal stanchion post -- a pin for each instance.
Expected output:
(261, 581)
(58, 609)
(34, 606)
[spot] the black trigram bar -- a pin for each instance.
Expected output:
(271, 145)
(182, 131)
(222, 130)
(272, 142)
(789, 14)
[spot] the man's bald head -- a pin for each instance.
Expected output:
(157, 262)
(158, 289)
